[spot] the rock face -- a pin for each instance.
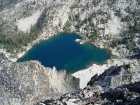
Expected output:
(116, 76)
(122, 95)
(28, 83)
(118, 85)
(112, 78)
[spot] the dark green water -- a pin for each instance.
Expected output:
(64, 53)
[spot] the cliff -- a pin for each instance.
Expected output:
(28, 83)
(116, 86)
(123, 95)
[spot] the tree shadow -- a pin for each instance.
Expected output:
(47, 102)
(136, 56)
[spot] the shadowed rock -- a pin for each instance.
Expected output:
(2, 56)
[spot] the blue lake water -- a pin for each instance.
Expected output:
(63, 52)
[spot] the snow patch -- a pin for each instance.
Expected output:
(26, 23)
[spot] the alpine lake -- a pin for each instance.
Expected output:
(63, 52)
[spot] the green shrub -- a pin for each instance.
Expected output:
(74, 6)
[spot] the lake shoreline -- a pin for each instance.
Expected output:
(64, 52)
(78, 74)
(86, 74)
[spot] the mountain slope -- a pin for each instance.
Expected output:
(29, 82)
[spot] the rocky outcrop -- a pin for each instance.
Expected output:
(118, 85)
(116, 76)
(123, 95)
(29, 82)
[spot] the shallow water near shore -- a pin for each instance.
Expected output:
(63, 52)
